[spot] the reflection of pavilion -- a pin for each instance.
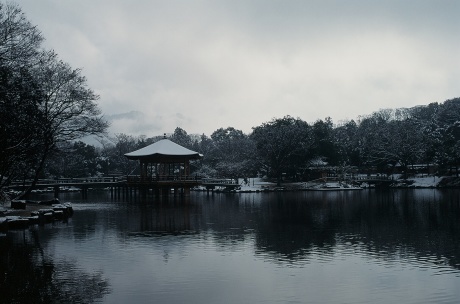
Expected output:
(163, 165)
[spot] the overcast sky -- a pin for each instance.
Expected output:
(202, 65)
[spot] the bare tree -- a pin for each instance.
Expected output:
(68, 107)
(19, 39)
(42, 90)
(19, 137)
(19, 93)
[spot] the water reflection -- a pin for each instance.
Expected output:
(422, 224)
(154, 245)
(391, 225)
(29, 273)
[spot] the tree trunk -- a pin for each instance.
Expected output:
(38, 170)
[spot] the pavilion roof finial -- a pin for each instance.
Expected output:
(164, 136)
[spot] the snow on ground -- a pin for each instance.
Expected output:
(425, 182)
(253, 181)
(260, 184)
(254, 184)
(419, 181)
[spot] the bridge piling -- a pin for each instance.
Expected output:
(56, 191)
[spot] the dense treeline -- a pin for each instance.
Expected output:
(383, 141)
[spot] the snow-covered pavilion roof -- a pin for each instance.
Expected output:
(163, 149)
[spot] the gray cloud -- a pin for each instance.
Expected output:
(135, 123)
(240, 63)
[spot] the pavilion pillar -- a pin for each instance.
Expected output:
(182, 171)
(143, 170)
(187, 168)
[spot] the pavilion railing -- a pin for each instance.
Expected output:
(160, 178)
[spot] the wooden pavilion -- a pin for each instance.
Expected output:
(164, 164)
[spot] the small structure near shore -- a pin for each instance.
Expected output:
(164, 165)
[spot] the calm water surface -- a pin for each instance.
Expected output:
(400, 246)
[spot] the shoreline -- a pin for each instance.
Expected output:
(33, 213)
(257, 185)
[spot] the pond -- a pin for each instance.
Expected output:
(368, 246)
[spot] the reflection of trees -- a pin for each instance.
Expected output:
(164, 215)
(141, 215)
(419, 226)
(161, 215)
(290, 227)
(230, 219)
(27, 275)
(420, 223)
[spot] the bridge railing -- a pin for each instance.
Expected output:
(372, 177)
(65, 181)
(350, 177)
(105, 179)
(160, 178)
(226, 181)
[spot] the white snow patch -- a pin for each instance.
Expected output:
(425, 182)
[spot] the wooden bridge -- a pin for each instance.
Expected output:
(126, 185)
(68, 185)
